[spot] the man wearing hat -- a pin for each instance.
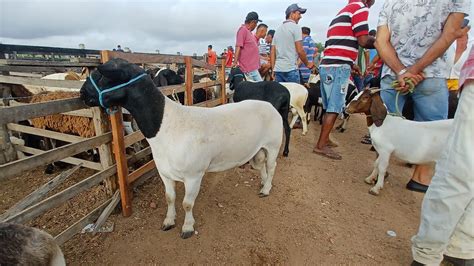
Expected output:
(287, 47)
(246, 48)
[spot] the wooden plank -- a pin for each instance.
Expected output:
(70, 160)
(107, 211)
(132, 138)
(210, 103)
(18, 166)
(86, 112)
(146, 58)
(68, 84)
(34, 69)
(143, 178)
(23, 112)
(77, 62)
(201, 85)
(11, 48)
(188, 79)
(141, 171)
(168, 90)
(200, 63)
(61, 197)
(102, 126)
(138, 156)
(77, 227)
(38, 194)
(121, 161)
(44, 133)
(223, 82)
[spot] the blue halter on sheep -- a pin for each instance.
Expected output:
(188, 141)
(268, 91)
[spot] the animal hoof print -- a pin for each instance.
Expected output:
(185, 235)
(167, 227)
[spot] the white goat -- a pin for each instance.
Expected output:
(413, 142)
(298, 96)
(189, 141)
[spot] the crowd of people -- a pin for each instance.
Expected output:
(420, 45)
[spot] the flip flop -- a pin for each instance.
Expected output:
(328, 154)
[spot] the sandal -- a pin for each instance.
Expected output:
(415, 186)
(328, 153)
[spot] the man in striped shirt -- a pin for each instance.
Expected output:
(346, 32)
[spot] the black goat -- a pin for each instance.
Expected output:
(268, 91)
(166, 77)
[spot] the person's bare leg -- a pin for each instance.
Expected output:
(423, 174)
(329, 119)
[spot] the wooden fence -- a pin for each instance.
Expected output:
(110, 139)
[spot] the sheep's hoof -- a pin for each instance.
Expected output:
(285, 153)
(185, 235)
(374, 192)
(369, 181)
(304, 133)
(262, 195)
(167, 227)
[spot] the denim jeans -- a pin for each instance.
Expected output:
(430, 98)
(290, 76)
(254, 76)
(334, 83)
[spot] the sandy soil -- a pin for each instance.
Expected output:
(319, 212)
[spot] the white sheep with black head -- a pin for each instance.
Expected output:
(189, 141)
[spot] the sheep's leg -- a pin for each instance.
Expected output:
(258, 162)
(169, 184)
(294, 118)
(270, 165)
(302, 115)
(371, 178)
(382, 168)
(191, 187)
(287, 128)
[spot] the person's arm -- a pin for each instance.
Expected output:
(390, 58)
(366, 41)
(236, 56)
(273, 56)
(302, 55)
(451, 31)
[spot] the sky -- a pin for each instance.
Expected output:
(185, 26)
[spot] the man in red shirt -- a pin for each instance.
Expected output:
(348, 31)
(211, 56)
(229, 57)
(246, 49)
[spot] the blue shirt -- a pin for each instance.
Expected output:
(309, 47)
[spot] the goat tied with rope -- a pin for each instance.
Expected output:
(410, 141)
(188, 141)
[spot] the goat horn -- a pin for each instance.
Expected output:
(374, 90)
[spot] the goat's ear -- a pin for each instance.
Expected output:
(115, 69)
(378, 110)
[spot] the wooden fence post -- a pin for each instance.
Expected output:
(118, 146)
(223, 81)
(121, 161)
(101, 126)
(7, 152)
(189, 79)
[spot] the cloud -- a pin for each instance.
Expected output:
(147, 25)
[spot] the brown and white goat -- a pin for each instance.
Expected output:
(410, 141)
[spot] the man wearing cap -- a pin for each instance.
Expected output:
(348, 31)
(287, 47)
(246, 51)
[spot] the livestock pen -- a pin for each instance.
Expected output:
(113, 168)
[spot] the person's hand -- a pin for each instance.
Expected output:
(310, 65)
(403, 86)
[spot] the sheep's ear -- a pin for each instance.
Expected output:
(115, 69)
(378, 110)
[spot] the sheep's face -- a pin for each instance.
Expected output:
(108, 75)
(361, 103)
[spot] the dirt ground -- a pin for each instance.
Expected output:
(319, 212)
